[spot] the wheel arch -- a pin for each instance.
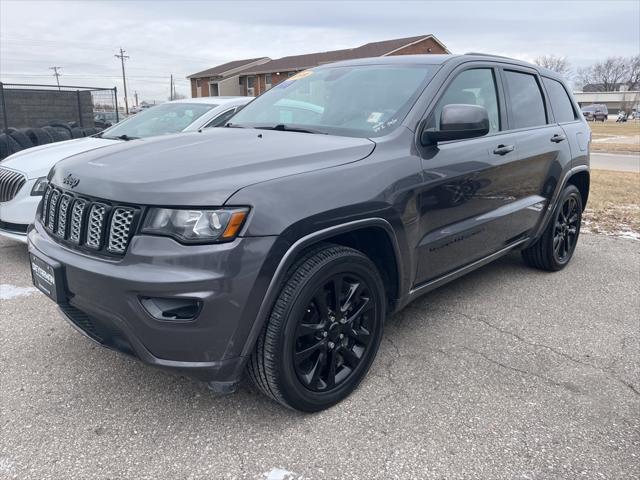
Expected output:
(581, 179)
(374, 237)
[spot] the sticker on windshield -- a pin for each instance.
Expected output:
(300, 75)
(374, 117)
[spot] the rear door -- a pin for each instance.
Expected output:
(566, 115)
(543, 145)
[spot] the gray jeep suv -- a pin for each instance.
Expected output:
(279, 244)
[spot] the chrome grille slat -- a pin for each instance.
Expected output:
(63, 213)
(119, 229)
(53, 210)
(77, 214)
(10, 184)
(95, 226)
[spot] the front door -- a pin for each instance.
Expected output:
(478, 195)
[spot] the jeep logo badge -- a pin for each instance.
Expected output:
(71, 181)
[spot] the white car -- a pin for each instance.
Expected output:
(23, 175)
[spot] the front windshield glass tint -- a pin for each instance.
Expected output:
(359, 101)
(159, 120)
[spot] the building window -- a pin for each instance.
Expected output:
(197, 83)
(250, 86)
(267, 81)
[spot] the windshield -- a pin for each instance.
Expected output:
(358, 101)
(159, 120)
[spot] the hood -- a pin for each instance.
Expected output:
(36, 162)
(203, 169)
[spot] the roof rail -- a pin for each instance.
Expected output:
(487, 55)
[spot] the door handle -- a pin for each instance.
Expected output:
(558, 138)
(503, 149)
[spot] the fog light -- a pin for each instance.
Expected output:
(172, 309)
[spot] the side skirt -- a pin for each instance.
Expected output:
(433, 284)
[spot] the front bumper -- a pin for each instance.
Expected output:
(103, 299)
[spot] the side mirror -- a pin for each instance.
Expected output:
(458, 121)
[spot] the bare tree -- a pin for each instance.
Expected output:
(557, 64)
(605, 76)
(634, 73)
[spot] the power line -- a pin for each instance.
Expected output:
(122, 58)
(56, 74)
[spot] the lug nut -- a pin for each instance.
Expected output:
(324, 334)
(331, 344)
(341, 336)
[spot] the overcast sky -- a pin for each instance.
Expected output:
(183, 37)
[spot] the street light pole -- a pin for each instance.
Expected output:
(122, 58)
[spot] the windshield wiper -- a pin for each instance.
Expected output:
(124, 137)
(289, 128)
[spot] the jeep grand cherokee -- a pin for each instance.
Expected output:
(278, 245)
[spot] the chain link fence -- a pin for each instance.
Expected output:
(32, 115)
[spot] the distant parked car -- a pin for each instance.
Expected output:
(23, 175)
(106, 119)
(595, 112)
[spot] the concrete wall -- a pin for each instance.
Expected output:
(36, 108)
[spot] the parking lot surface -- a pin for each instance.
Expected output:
(505, 373)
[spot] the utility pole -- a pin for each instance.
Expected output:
(171, 88)
(135, 95)
(122, 58)
(56, 74)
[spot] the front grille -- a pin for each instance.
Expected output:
(10, 184)
(88, 224)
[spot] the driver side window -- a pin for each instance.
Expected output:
(473, 87)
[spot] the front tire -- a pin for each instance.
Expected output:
(323, 332)
(554, 250)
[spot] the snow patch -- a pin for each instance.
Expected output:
(8, 291)
(278, 474)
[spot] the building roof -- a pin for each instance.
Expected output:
(220, 70)
(301, 62)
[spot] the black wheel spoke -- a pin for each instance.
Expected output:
(302, 355)
(309, 329)
(360, 335)
(331, 372)
(336, 290)
(311, 378)
(351, 296)
(364, 306)
(350, 357)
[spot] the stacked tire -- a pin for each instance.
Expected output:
(13, 140)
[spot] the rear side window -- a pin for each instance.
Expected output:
(527, 103)
(560, 101)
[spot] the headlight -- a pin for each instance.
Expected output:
(195, 226)
(39, 187)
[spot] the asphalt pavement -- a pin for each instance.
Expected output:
(621, 162)
(507, 373)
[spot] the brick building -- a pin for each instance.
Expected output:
(257, 75)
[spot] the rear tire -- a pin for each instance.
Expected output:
(323, 332)
(554, 249)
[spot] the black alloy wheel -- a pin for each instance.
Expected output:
(554, 249)
(334, 333)
(567, 226)
(323, 332)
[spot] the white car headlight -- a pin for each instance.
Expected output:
(39, 187)
(195, 226)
